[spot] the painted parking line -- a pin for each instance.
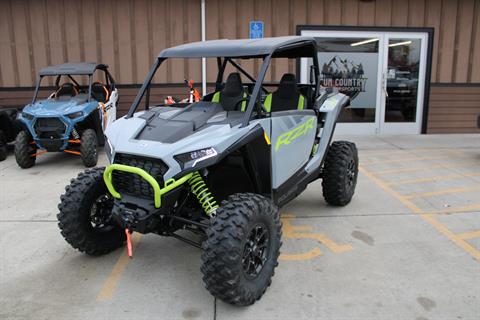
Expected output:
(427, 217)
(387, 152)
(294, 232)
(423, 168)
(414, 195)
(464, 209)
(455, 176)
(110, 285)
(289, 231)
(404, 160)
(469, 235)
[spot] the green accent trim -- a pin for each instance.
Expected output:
(170, 184)
(267, 104)
(216, 97)
(288, 137)
(301, 102)
(244, 103)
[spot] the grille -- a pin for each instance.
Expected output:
(133, 184)
(49, 128)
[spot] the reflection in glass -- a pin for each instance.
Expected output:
(351, 66)
(402, 80)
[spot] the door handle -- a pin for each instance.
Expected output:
(384, 84)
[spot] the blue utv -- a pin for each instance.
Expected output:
(73, 117)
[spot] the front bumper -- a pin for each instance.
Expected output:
(158, 191)
(137, 213)
(52, 145)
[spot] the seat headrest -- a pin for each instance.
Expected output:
(233, 85)
(67, 88)
(99, 92)
(287, 86)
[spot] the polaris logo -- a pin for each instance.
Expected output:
(289, 136)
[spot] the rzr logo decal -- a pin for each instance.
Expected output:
(289, 136)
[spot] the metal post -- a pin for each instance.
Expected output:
(204, 60)
(37, 87)
(256, 90)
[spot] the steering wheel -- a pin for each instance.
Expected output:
(247, 99)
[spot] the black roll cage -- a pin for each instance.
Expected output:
(110, 82)
(286, 51)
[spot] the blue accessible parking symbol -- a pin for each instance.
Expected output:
(256, 29)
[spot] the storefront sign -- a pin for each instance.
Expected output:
(354, 74)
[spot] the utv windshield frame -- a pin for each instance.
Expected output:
(226, 51)
(74, 69)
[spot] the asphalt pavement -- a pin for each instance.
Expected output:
(406, 247)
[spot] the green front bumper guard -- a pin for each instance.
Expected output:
(170, 184)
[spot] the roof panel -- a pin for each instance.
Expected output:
(84, 68)
(231, 48)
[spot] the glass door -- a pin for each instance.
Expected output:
(383, 73)
(403, 81)
(352, 63)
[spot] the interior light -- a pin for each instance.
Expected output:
(364, 42)
(404, 43)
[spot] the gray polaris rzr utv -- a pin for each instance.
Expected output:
(220, 168)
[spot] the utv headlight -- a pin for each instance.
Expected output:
(27, 116)
(190, 159)
(75, 115)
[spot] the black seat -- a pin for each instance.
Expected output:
(231, 94)
(66, 89)
(287, 96)
(99, 92)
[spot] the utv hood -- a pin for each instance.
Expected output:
(61, 106)
(168, 132)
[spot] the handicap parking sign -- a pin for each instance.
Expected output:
(256, 29)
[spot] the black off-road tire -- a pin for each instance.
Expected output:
(74, 219)
(89, 148)
(25, 150)
(3, 146)
(340, 173)
(227, 239)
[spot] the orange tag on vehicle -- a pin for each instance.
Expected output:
(129, 243)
